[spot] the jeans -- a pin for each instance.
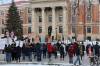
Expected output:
(71, 60)
(8, 57)
(77, 59)
(30, 56)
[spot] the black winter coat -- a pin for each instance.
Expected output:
(78, 51)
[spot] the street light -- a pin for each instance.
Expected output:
(56, 33)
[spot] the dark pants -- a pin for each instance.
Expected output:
(44, 54)
(23, 56)
(55, 54)
(49, 55)
(18, 57)
(62, 55)
(38, 56)
(30, 56)
(14, 56)
(71, 60)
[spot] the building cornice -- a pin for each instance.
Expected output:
(36, 1)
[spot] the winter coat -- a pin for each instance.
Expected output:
(75, 45)
(38, 48)
(61, 49)
(44, 48)
(54, 48)
(7, 49)
(50, 48)
(78, 51)
(82, 49)
(96, 49)
(71, 51)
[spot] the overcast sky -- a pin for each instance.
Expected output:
(8, 1)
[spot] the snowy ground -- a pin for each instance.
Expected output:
(44, 62)
(36, 65)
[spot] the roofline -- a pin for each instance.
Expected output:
(17, 3)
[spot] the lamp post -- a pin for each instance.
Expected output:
(56, 33)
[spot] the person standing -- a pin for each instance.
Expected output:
(38, 51)
(18, 53)
(61, 49)
(82, 49)
(71, 53)
(14, 52)
(97, 50)
(50, 50)
(44, 50)
(78, 55)
(55, 50)
(23, 52)
(7, 51)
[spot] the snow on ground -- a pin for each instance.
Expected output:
(30, 65)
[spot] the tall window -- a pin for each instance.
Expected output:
(2, 21)
(1, 12)
(60, 29)
(73, 29)
(29, 19)
(89, 13)
(50, 18)
(3, 30)
(29, 10)
(60, 18)
(40, 18)
(89, 29)
(29, 29)
(40, 29)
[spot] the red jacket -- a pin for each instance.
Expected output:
(49, 47)
(75, 46)
(71, 51)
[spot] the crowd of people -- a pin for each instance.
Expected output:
(41, 51)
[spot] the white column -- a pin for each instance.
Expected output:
(43, 22)
(53, 22)
(65, 28)
(33, 21)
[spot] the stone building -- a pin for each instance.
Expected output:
(69, 19)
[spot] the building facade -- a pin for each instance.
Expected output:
(86, 17)
(65, 19)
(49, 14)
(69, 19)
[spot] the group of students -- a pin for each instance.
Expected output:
(33, 50)
(39, 51)
(78, 50)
